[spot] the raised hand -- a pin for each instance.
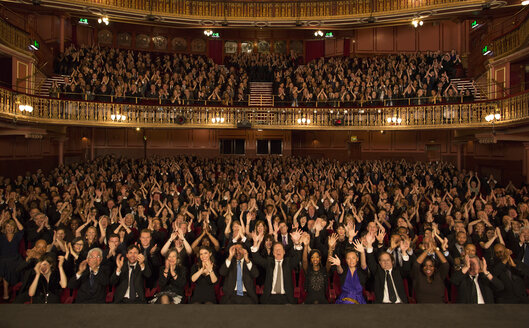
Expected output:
(37, 268)
(296, 236)
(335, 260)
(358, 246)
(380, 236)
(82, 266)
(154, 248)
(232, 252)
(61, 261)
(141, 259)
(119, 262)
(332, 240)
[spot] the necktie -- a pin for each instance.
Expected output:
(239, 279)
(474, 291)
(92, 278)
(284, 240)
(132, 288)
(391, 288)
(526, 254)
(279, 278)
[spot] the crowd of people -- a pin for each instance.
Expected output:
(109, 74)
(276, 230)
(404, 79)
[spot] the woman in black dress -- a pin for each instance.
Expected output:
(10, 238)
(49, 281)
(315, 274)
(204, 275)
(172, 280)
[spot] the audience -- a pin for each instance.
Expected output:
(129, 76)
(235, 230)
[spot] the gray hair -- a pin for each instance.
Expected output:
(95, 250)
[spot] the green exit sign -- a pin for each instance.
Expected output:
(215, 35)
(486, 50)
(83, 21)
(34, 45)
(329, 35)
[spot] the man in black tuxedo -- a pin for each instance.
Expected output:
(475, 285)
(389, 283)
(278, 286)
(130, 278)
(91, 284)
(239, 273)
(512, 274)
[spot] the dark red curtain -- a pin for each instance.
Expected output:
(215, 51)
(314, 50)
(346, 47)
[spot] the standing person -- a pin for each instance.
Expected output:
(352, 277)
(475, 284)
(389, 283)
(204, 275)
(12, 234)
(279, 287)
(239, 273)
(428, 278)
(316, 278)
(172, 280)
(91, 284)
(48, 283)
(130, 276)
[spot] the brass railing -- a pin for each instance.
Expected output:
(512, 40)
(270, 10)
(14, 37)
(72, 112)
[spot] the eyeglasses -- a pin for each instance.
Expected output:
(94, 257)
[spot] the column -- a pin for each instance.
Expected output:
(525, 166)
(460, 156)
(92, 145)
(61, 151)
(61, 34)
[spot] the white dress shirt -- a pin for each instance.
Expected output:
(248, 265)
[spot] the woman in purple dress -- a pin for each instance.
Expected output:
(352, 276)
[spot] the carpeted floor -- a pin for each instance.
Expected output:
(299, 316)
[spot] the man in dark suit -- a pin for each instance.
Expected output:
(512, 274)
(130, 278)
(91, 284)
(389, 283)
(239, 273)
(278, 286)
(475, 285)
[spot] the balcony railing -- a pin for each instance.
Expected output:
(270, 10)
(14, 37)
(23, 107)
(513, 40)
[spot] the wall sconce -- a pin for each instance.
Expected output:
(303, 120)
(103, 19)
(217, 120)
(25, 108)
(394, 120)
(416, 23)
(118, 117)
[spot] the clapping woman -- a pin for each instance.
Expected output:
(204, 275)
(172, 280)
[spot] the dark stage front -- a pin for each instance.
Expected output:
(298, 316)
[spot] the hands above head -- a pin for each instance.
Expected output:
(332, 240)
(119, 262)
(335, 260)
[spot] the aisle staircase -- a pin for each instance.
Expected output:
(44, 89)
(261, 94)
(463, 84)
